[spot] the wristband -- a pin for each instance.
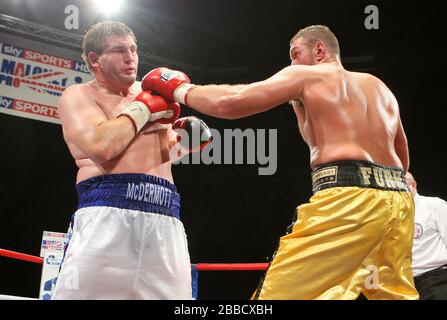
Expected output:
(182, 92)
(138, 113)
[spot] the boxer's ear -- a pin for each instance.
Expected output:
(93, 58)
(320, 50)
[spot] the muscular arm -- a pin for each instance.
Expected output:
(232, 102)
(86, 126)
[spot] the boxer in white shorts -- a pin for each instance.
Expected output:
(126, 241)
(126, 238)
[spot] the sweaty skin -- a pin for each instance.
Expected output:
(347, 115)
(342, 115)
(99, 142)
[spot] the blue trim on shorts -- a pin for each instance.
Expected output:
(133, 191)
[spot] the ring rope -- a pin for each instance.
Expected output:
(196, 266)
(20, 256)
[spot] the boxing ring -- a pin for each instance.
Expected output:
(195, 268)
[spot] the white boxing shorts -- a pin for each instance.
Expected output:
(126, 241)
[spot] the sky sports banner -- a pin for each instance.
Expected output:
(31, 82)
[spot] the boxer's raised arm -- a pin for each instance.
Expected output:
(231, 101)
(101, 139)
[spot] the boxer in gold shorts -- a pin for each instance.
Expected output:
(355, 234)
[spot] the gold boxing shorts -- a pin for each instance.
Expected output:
(354, 236)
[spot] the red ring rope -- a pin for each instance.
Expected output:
(20, 256)
(231, 266)
(198, 266)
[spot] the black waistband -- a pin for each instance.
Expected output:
(430, 273)
(358, 173)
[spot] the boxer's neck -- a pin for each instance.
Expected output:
(118, 89)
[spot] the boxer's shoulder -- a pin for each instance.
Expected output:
(76, 96)
(81, 88)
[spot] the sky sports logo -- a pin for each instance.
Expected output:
(29, 107)
(48, 59)
(11, 50)
(6, 102)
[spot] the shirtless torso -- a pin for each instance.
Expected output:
(147, 153)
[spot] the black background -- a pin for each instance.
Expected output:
(231, 214)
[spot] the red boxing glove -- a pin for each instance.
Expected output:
(147, 108)
(193, 133)
(162, 111)
(171, 84)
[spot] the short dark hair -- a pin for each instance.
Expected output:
(318, 33)
(95, 35)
